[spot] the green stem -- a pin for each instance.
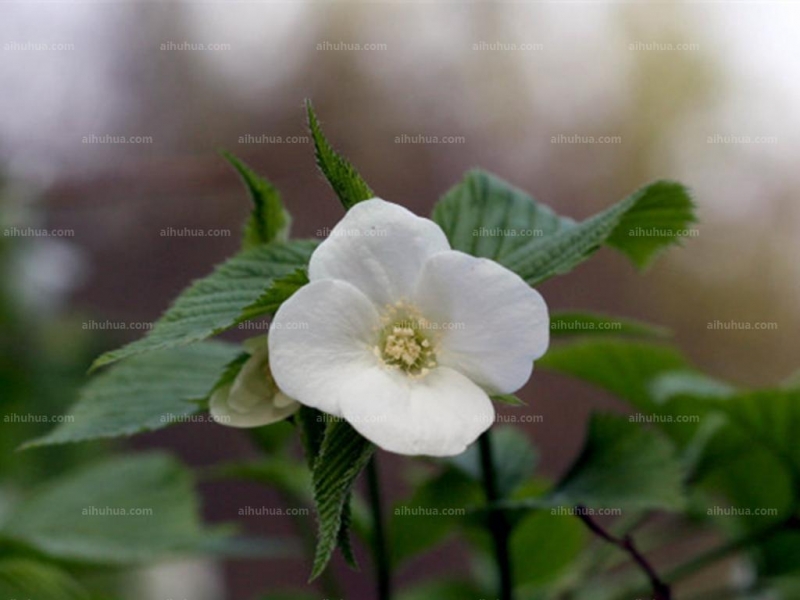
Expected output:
(383, 568)
(497, 522)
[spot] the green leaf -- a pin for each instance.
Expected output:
(343, 455)
(269, 220)
(145, 393)
(341, 175)
(770, 418)
(543, 545)
(624, 466)
(279, 292)
(431, 514)
(567, 324)
(221, 300)
(623, 367)
(31, 579)
(123, 510)
(486, 216)
(659, 213)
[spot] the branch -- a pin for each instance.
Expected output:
(661, 591)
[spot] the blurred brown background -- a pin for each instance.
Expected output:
(111, 116)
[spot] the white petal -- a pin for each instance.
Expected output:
(262, 410)
(436, 415)
(492, 325)
(380, 248)
(338, 328)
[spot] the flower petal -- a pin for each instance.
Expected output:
(379, 247)
(334, 342)
(262, 410)
(491, 324)
(436, 415)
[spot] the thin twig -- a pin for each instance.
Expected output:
(661, 591)
(497, 522)
(380, 550)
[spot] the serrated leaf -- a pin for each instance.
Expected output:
(343, 455)
(486, 216)
(566, 324)
(123, 510)
(269, 220)
(145, 393)
(221, 300)
(341, 175)
(658, 215)
(24, 578)
(623, 466)
(279, 292)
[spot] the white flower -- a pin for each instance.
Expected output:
(252, 399)
(404, 337)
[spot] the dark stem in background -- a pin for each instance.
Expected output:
(383, 569)
(661, 591)
(497, 522)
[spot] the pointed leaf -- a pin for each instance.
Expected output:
(219, 301)
(269, 220)
(343, 455)
(341, 175)
(146, 393)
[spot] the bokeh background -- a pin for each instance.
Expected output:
(112, 115)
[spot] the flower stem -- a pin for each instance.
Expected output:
(497, 523)
(383, 568)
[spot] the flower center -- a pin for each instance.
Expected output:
(405, 340)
